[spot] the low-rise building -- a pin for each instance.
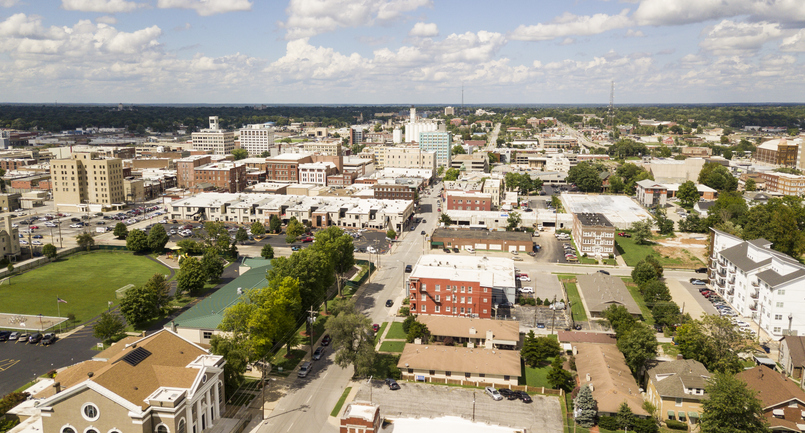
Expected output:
(600, 291)
(792, 355)
(316, 173)
(10, 202)
(468, 200)
(481, 240)
(593, 234)
(455, 364)
(651, 193)
(185, 169)
(782, 400)
(478, 161)
(361, 417)
(223, 176)
(386, 191)
(603, 368)
(407, 157)
(480, 333)
(777, 152)
(698, 152)
(676, 389)
(285, 167)
(784, 183)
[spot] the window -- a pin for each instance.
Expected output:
(207, 335)
(484, 310)
(90, 412)
(162, 428)
(778, 317)
(678, 402)
(462, 300)
(90, 430)
(424, 297)
(423, 308)
(432, 372)
(438, 287)
(777, 330)
(437, 309)
(67, 430)
(438, 298)
(484, 289)
(779, 305)
(469, 300)
(447, 308)
(448, 373)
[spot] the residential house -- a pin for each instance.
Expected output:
(603, 368)
(676, 389)
(782, 399)
(600, 291)
(480, 333)
(792, 355)
(456, 364)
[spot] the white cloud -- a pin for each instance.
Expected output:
(207, 7)
(303, 61)
(106, 19)
(8, 3)
(794, 43)
(634, 34)
(569, 24)
(424, 30)
(102, 6)
(311, 17)
(676, 12)
(729, 37)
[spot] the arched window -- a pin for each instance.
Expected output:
(67, 430)
(162, 428)
(182, 427)
(90, 430)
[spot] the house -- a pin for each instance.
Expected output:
(443, 364)
(782, 400)
(160, 383)
(603, 368)
(792, 355)
(600, 291)
(361, 417)
(676, 389)
(481, 333)
(703, 207)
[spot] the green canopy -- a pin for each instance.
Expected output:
(681, 415)
(437, 244)
(693, 414)
(671, 414)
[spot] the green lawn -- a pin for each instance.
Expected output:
(575, 301)
(340, 403)
(633, 253)
(287, 364)
(86, 281)
(670, 349)
(396, 332)
(535, 376)
(392, 346)
(638, 298)
(380, 332)
(587, 261)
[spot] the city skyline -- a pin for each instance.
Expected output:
(401, 52)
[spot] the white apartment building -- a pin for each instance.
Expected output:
(315, 172)
(214, 139)
(409, 157)
(759, 282)
(257, 138)
(439, 142)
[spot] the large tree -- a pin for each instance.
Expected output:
(108, 326)
(558, 377)
(530, 350)
(731, 407)
(121, 231)
(352, 340)
(585, 408)
(418, 330)
(718, 177)
(452, 174)
(641, 230)
(688, 194)
(513, 221)
(258, 229)
(85, 240)
(49, 251)
(293, 231)
(240, 154)
(137, 241)
(339, 249)
(638, 346)
(780, 221)
(312, 268)
(212, 264)
(157, 238)
(241, 235)
(139, 305)
(586, 177)
(643, 273)
(236, 355)
(191, 276)
(267, 252)
(714, 341)
(274, 224)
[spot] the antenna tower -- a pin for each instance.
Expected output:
(462, 97)
(611, 108)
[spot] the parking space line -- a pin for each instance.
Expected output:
(5, 364)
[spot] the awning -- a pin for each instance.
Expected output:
(671, 414)
(681, 415)
(693, 415)
(437, 244)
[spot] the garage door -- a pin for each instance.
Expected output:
(480, 246)
(495, 247)
(522, 247)
(512, 248)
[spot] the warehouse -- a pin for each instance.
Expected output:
(482, 240)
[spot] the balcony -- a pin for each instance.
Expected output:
(731, 281)
(753, 306)
(722, 273)
(720, 283)
(722, 263)
(712, 265)
(732, 270)
(730, 292)
(754, 295)
(755, 283)
(713, 275)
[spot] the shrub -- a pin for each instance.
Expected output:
(538, 301)
(608, 423)
(676, 425)
(647, 425)
(405, 311)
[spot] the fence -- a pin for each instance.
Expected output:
(480, 384)
(40, 261)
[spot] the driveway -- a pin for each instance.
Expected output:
(688, 298)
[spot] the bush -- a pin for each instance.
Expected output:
(608, 422)
(676, 425)
(405, 311)
(647, 425)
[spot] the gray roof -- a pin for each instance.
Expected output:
(773, 279)
(704, 205)
(600, 291)
(737, 256)
(678, 375)
(482, 235)
(593, 219)
(796, 349)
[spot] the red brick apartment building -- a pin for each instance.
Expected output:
(463, 286)
(228, 176)
(476, 201)
(285, 167)
(185, 169)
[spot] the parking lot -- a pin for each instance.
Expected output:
(418, 400)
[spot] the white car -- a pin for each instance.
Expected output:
(50, 224)
(76, 226)
(36, 242)
(371, 250)
(23, 242)
(492, 392)
(526, 290)
(163, 221)
(525, 278)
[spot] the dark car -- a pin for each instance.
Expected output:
(37, 236)
(509, 394)
(701, 270)
(408, 268)
(422, 233)
(392, 384)
(447, 250)
(455, 249)
(49, 339)
(75, 220)
(34, 339)
(318, 353)
(389, 303)
(325, 341)
(522, 395)
(4, 335)
(540, 325)
(603, 272)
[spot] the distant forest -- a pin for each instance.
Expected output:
(170, 118)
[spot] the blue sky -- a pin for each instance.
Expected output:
(401, 51)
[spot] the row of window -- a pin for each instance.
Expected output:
(437, 309)
(454, 298)
(454, 288)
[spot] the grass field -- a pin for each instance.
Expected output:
(86, 281)
(536, 376)
(638, 298)
(633, 253)
(340, 403)
(575, 299)
(396, 332)
(287, 364)
(392, 346)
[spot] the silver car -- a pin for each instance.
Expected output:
(492, 392)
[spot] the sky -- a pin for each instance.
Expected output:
(402, 51)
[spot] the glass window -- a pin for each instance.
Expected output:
(162, 428)
(90, 412)
(67, 430)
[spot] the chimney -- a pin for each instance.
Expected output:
(57, 386)
(679, 357)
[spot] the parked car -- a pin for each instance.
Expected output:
(389, 302)
(307, 239)
(624, 235)
(49, 339)
(698, 282)
(540, 325)
(526, 290)
(522, 395)
(422, 233)
(603, 272)
(23, 337)
(35, 338)
(318, 353)
(4, 335)
(295, 248)
(304, 369)
(375, 327)
(13, 336)
(408, 268)
(701, 270)
(492, 392)
(325, 341)
(509, 394)
(392, 384)
(524, 278)
(447, 250)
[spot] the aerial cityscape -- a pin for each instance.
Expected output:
(231, 216)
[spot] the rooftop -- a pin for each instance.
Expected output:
(289, 156)
(671, 378)
(593, 219)
(466, 327)
(460, 360)
(620, 210)
(600, 291)
(482, 235)
(488, 271)
(611, 378)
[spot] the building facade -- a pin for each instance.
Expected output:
(777, 152)
(408, 157)
(676, 389)
(593, 234)
(214, 140)
(86, 180)
(185, 169)
(439, 142)
(478, 161)
(224, 176)
(316, 172)
(394, 192)
(257, 138)
(461, 200)
(285, 167)
(784, 183)
(482, 240)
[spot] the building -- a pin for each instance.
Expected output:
(222, 176)
(461, 200)
(9, 238)
(651, 193)
(325, 147)
(459, 365)
(383, 191)
(159, 383)
(361, 417)
(86, 180)
(782, 400)
(406, 157)
(676, 389)
(356, 135)
(285, 167)
(620, 210)
(777, 152)
(783, 183)
(593, 234)
(185, 169)
(673, 171)
(10, 202)
(316, 172)
(600, 291)
(478, 161)
(480, 333)
(481, 240)
(449, 111)
(759, 282)
(466, 286)
(792, 355)
(413, 129)
(214, 140)
(439, 142)
(705, 192)
(697, 152)
(603, 368)
(257, 138)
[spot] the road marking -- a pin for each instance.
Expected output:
(5, 364)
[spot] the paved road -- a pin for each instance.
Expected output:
(492, 142)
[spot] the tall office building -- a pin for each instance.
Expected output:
(439, 142)
(214, 139)
(257, 138)
(87, 180)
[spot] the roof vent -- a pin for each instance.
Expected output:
(90, 374)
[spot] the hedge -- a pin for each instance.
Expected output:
(676, 425)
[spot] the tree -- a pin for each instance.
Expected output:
(666, 313)
(654, 291)
(241, 235)
(585, 408)
(714, 341)
(108, 326)
(586, 177)
(49, 251)
(692, 224)
(718, 177)
(191, 247)
(258, 229)
(458, 150)
(624, 416)
(620, 319)
(643, 273)
(157, 238)
(750, 185)
(339, 248)
(452, 174)
(513, 221)
(212, 265)
(274, 224)
(446, 220)
(85, 240)
(781, 222)
(638, 346)
(240, 154)
(418, 330)
(558, 377)
(688, 194)
(352, 341)
(121, 231)
(137, 241)
(530, 351)
(267, 252)
(641, 230)
(312, 269)
(161, 289)
(293, 231)
(391, 234)
(139, 305)
(547, 347)
(664, 225)
(236, 356)
(731, 407)
(191, 276)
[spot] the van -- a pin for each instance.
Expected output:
(100, 230)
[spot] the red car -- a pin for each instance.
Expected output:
(624, 234)
(375, 327)
(33, 227)
(307, 239)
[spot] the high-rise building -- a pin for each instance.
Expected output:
(414, 128)
(214, 139)
(408, 157)
(257, 138)
(439, 142)
(355, 135)
(86, 180)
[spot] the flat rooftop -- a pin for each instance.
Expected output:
(593, 219)
(461, 360)
(448, 424)
(488, 271)
(620, 210)
(482, 235)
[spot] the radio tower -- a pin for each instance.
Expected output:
(611, 108)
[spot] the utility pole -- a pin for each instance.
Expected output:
(553, 312)
(310, 320)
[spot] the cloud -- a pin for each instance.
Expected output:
(102, 6)
(8, 3)
(794, 43)
(186, 26)
(207, 7)
(106, 19)
(678, 12)
(424, 30)
(729, 37)
(634, 34)
(568, 24)
(311, 17)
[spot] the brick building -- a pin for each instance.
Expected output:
(361, 417)
(285, 167)
(464, 286)
(394, 192)
(594, 234)
(227, 176)
(15, 163)
(777, 152)
(469, 200)
(784, 183)
(185, 169)
(482, 240)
